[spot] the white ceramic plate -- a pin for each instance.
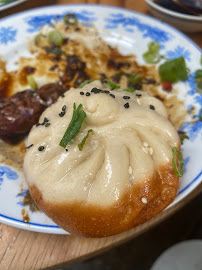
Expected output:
(131, 32)
(10, 4)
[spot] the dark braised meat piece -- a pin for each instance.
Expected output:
(18, 114)
(50, 92)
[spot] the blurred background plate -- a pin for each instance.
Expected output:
(9, 4)
(184, 22)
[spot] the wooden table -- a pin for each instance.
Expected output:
(21, 249)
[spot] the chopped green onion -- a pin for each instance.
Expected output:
(70, 19)
(183, 137)
(179, 172)
(198, 80)
(152, 55)
(86, 82)
(111, 84)
(81, 145)
(74, 126)
(55, 37)
(173, 70)
(129, 89)
(56, 51)
(37, 39)
(32, 82)
(134, 79)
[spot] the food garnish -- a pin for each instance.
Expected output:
(70, 19)
(183, 137)
(175, 152)
(74, 126)
(129, 89)
(54, 50)
(173, 70)
(111, 84)
(32, 82)
(86, 82)
(55, 37)
(198, 78)
(81, 144)
(152, 55)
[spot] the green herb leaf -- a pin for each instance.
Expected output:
(198, 80)
(70, 19)
(111, 84)
(175, 152)
(74, 126)
(129, 89)
(55, 37)
(86, 82)
(182, 138)
(152, 55)
(81, 145)
(173, 70)
(32, 82)
(56, 51)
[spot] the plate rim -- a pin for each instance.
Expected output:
(47, 228)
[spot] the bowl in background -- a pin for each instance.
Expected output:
(186, 23)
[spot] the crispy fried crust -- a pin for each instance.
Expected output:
(129, 211)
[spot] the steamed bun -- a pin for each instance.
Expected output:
(122, 177)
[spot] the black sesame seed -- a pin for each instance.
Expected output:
(81, 93)
(95, 90)
(87, 94)
(106, 92)
(138, 95)
(64, 108)
(47, 124)
(41, 148)
(126, 105)
(152, 107)
(102, 91)
(45, 120)
(111, 95)
(38, 124)
(30, 146)
(66, 150)
(62, 95)
(126, 97)
(61, 114)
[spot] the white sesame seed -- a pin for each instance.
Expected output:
(144, 200)
(144, 150)
(151, 151)
(145, 143)
(130, 171)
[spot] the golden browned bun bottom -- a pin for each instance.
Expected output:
(129, 211)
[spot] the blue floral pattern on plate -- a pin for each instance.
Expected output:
(36, 22)
(7, 172)
(177, 52)
(153, 32)
(7, 34)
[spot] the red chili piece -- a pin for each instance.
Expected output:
(167, 86)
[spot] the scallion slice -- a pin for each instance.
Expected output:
(56, 51)
(152, 55)
(175, 152)
(70, 19)
(129, 89)
(183, 137)
(74, 126)
(86, 82)
(111, 84)
(32, 82)
(55, 37)
(81, 145)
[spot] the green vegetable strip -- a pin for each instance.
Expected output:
(86, 82)
(130, 89)
(174, 70)
(179, 172)
(74, 126)
(111, 84)
(32, 82)
(183, 137)
(81, 145)
(56, 51)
